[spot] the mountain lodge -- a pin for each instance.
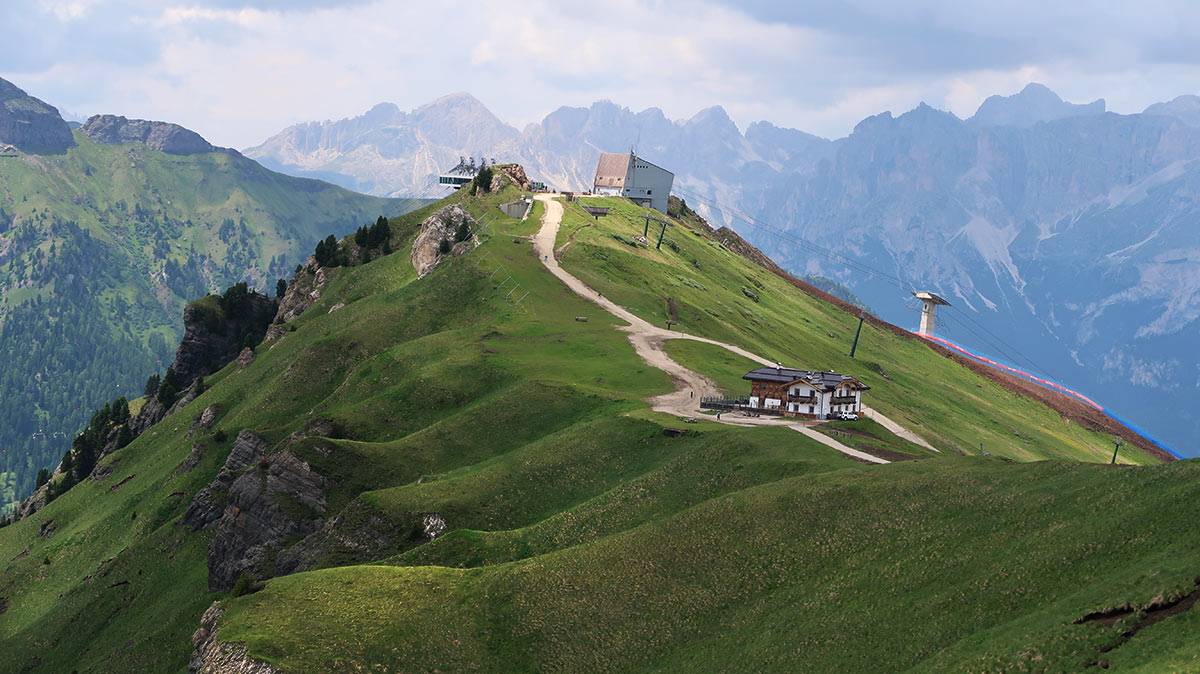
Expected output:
(627, 175)
(792, 392)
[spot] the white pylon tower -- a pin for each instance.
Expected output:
(929, 304)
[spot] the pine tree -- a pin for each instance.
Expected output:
(168, 389)
(280, 288)
(152, 385)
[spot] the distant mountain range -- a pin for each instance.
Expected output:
(1065, 235)
(105, 232)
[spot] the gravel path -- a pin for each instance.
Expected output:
(648, 339)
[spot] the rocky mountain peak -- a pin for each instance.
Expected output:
(30, 124)
(1035, 103)
(714, 117)
(163, 136)
(1185, 108)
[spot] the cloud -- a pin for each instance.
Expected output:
(239, 70)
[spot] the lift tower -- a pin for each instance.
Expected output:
(929, 304)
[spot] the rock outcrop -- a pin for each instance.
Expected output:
(301, 293)
(213, 657)
(162, 136)
(215, 332)
(31, 125)
(280, 501)
(209, 504)
(514, 172)
(438, 231)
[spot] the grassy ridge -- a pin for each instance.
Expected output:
(710, 291)
(581, 535)
(948, 565)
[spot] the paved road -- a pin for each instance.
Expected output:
(648, 339)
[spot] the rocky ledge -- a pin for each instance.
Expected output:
(448, 232)
(162, 136)
(213, 657)
(31, 125)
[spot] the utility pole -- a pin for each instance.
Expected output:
(1116, 447)
(661, 234)
(854, 347)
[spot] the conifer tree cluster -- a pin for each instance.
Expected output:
(86, 449)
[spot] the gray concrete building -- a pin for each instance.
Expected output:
(628, 175)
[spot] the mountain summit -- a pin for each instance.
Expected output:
(1035, 103)
(30, 124)
(164, 136)
(1185, 108)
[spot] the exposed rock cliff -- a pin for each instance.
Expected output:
(216, 329)
(301, 293)
(209, 504)
(213, 657)
(448, 232)
(164, 136)
(30, 124)
(279, 501)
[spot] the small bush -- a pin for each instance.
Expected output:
(244, 585)
(444, 247)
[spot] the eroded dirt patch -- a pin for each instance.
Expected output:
(1139, 617)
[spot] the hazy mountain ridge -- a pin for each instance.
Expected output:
(387, 151)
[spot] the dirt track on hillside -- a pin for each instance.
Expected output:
(648, 340)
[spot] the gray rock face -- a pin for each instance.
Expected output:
(162, 136)
(209, 504)
(30, 124)
(210, 656)
(301, 293)
(441, 226)
(209, 343)
(267, 508)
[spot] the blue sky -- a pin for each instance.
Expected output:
(239, 70)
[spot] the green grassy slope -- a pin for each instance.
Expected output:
(100, 248)
(949, 565)
(715, 293)
(581, 536)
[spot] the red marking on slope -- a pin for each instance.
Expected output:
(1008, 368)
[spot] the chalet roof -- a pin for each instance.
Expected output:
(611, 169)
(824, 381)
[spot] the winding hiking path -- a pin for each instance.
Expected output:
(648, 339)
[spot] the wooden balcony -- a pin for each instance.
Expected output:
(843, 400)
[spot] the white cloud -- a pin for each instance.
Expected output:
(239, 70)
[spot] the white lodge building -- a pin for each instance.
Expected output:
(804, 393)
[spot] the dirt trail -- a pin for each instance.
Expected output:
(648, 339)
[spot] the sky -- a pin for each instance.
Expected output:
(238, 71)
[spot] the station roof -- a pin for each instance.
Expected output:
(825, 381)
(931, 297)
